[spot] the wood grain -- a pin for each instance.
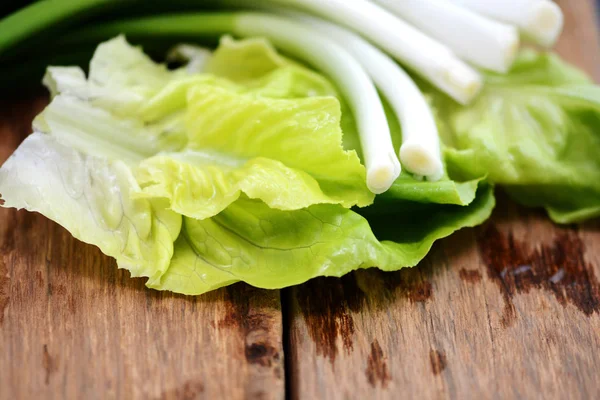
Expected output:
(507, 310)
(72, 326)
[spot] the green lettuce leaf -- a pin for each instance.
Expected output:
(407, 188)
(534, 131)
(97, 201)
(269, 248)
(243, 61)
(92, 198)
(121, 78)
(201, 180)
(262, 147)
(200, 140)
(94, 130)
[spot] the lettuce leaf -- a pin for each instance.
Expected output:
(200, 140)
(92, 198)
(533, 131)
(121, 78)
(262, 147)
(407, 188)
(269, 248)
(244, 61)
(94, 130)
(201, 180)
(96, 200)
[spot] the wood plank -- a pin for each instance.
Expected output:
(72, 326)
(508, 317)
(507, 310)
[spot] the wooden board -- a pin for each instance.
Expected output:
(72, 326)
(507, 310)
(510, 309)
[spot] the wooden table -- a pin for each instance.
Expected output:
(507, 310)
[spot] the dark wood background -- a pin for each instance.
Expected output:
(507, 310)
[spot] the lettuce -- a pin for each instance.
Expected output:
(533, 131)
(262, 147)
(92, 198)
(204, 139)
(95, 199)
(272, 249)
(197, 181)
(121, 78)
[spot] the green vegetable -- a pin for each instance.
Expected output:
(300, 41)
(437, 63)
(272, 249)
(533, 131)
(491, 45)
(262, 147)
(159, 188)
(250, 170)
(38, 24)
(540, 21)
(430, 59)
(445, 191)
(44, 15)
(93, 198)
(265, 147)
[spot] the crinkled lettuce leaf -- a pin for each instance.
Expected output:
(92, 198)
(269, 248)
(535, 131)
(121, 78)
(203, 139)
(94, 130)
(96, 200)
(244, 61)
(407, 188)
(263, 147)
(201, 180)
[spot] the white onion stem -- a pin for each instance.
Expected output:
(357, 88)
(475, 38)
(427, 57)
(420, 150)
(540, 21)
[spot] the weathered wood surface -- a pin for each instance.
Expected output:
(508, 310)
(72, 326)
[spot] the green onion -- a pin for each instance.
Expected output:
(539, 20)
(420, 151)
(477, 39)
(430, 59)
(43, 15)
